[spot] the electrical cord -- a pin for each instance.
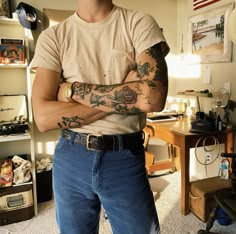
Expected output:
(207, 149)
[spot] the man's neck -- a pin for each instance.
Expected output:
(94, 10)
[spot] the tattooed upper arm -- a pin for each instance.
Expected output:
(151, 65)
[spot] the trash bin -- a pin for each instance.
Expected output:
(44, 186)
(223, 218)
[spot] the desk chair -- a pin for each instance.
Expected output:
(225, 198)
(151, 164)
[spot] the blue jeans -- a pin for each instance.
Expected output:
(84, 180)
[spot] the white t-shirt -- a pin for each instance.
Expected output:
(99, 53)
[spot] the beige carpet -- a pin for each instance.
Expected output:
(167, 204)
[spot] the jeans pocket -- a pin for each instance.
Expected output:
(61, 143)
(134, 151)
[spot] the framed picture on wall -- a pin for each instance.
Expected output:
(5, 9)
(207, 35)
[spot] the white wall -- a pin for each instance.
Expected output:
(221, 72)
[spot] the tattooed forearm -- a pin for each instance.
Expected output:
(119, 101)
(74, 121)
(124, 96)
(104, 88)
(144, 91)
(82, 89)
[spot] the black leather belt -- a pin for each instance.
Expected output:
(104, 142)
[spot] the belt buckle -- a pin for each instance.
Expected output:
(88, 141)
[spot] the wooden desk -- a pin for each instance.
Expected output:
(177, 133)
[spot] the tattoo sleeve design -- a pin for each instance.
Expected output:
(144, 69)
(74, 121)
(161, 73)
(104, 88)
(82, 89)
(119, 101)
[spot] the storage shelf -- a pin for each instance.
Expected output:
(12, 28)
(18, 137)
(9, 21)
(13, 65)
(199, 94)
(23, 184)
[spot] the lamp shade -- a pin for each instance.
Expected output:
(231, 26)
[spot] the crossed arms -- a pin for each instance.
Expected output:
(144, 90)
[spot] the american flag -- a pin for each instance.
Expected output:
(197, 4)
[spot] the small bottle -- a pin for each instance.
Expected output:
(219, 123)
(224, 169)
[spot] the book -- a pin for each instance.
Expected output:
(12, 53)
(15, 41)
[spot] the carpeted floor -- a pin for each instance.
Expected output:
(167, 204)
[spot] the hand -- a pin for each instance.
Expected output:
(133, 75)
(61, 92)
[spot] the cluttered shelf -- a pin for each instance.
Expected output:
(12, 65)
(16, 137)
(9, 21)
(202, 93)
(16, 188)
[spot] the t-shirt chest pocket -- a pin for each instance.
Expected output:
(119, 64)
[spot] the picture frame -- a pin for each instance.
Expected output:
(208, 37)
(5, 9)
(12, 54)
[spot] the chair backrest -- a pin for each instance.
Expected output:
(54, 16)
(148, 132)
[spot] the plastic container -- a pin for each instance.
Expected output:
(44, 186)
(223, 218)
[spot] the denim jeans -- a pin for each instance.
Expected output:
(84, 180)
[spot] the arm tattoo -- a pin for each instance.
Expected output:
(144, 69)
(74, 121)
(82, 89)
(161, 73)
(119, 101)
(104, 88)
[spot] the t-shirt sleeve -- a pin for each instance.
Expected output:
(145, 33)
(47, 52)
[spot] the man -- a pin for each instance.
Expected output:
(97, 74)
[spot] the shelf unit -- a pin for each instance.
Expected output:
(16, 79)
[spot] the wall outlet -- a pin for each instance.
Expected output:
(208, 158)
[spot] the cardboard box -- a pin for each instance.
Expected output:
(201, 195)
(16, 204)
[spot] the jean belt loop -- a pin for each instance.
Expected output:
(120, 142)
(72, 136)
